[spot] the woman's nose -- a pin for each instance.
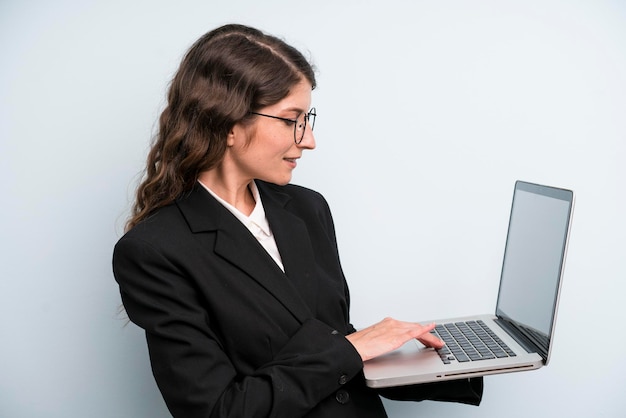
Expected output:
(308, 140)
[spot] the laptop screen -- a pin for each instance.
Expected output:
(533, 259)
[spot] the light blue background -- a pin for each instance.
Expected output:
(428, 113)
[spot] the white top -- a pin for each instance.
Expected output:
(256, 222)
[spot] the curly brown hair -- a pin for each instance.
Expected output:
(226, 74)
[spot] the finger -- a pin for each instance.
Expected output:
(429, 327)
(419, 330)
(429, 339)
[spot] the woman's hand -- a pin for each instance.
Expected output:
(389, 334)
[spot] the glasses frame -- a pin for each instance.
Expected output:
(307, 117)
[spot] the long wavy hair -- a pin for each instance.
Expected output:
(226, 74)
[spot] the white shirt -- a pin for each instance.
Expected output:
(256, 222)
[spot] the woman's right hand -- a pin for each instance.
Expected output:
(389, 334)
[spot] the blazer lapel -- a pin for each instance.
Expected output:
(293, 242)
(235, 243)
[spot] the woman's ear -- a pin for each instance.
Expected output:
(230, 139)
(239, 135)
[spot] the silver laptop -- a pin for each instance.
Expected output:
(519, 336)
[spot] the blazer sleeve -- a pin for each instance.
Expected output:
(190, 366)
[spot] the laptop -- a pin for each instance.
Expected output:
(520, 334)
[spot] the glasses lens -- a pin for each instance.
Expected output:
(303, 120)
(298, 132)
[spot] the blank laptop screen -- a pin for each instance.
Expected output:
(533, 257)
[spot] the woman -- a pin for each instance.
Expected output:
(234, 273)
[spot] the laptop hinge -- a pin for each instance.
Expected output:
(519, 336)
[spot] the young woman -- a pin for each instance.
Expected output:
(232, 272)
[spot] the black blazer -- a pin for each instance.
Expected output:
(229, 334)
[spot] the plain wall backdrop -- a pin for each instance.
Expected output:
(428, 113)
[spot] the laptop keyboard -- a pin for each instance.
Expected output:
(470, 341)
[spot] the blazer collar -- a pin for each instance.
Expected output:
(294, 288)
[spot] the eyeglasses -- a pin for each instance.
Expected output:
(299, 123)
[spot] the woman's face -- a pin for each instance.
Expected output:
(265, 149)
